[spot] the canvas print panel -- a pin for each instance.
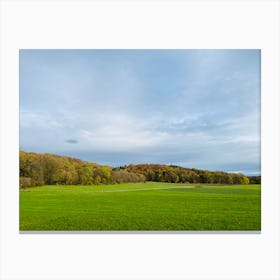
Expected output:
(140, 140)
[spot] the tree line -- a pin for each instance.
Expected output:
(177, 174)
(254, 179)
(48, 169)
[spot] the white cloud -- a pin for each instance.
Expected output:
(35, 120)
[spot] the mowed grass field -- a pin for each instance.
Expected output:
(144, 206)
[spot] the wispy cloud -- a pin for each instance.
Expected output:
(31, 119)
(71, 141)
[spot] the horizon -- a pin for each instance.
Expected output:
(192, 108)
(144, 163)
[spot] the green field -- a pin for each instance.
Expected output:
(143, 206)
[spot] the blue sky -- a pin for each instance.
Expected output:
(193, 108)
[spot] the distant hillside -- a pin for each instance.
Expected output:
(40, 169)
(177, 174)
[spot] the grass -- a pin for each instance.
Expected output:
(143, 206)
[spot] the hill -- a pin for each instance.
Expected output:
(41, 169)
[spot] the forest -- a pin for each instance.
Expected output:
(48, 169)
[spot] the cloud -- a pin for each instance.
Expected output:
(193, 108)
(71, 141)
(33, 119)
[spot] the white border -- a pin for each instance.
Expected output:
(155, 24)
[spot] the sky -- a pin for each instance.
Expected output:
(192, 108)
